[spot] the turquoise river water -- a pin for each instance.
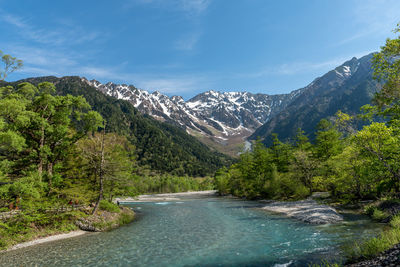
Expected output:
(199, 232)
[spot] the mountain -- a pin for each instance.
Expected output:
(162, 147)
(223, 120)
(346, 88)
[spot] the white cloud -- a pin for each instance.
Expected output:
(194, 6)
(43, 57)
(374, 17)
(63, 34)
(188, 42)
(191, 7)
(293, 68)
(169, 85)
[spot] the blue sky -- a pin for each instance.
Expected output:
(183, 47)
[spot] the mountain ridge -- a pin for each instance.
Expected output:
(160, 147)
(346, 88)
(225, 120)
(214, 117)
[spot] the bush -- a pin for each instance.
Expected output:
(285, 186)
(379, 215)
(325, 264)
(108, 206)
(372, 247)
(369, 209)
(395, 221)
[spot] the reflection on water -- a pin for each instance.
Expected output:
(198, 232)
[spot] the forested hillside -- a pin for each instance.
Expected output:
(346, 88)
(351, 164)
(58, 164)
(160, 146)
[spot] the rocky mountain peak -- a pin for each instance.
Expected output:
(213, 114)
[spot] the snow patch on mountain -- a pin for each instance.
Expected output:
(213, 114)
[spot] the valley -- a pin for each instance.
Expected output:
(200, 133)
(225, 120)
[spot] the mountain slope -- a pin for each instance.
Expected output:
(161, 146)
(346, 88)
(218, 119)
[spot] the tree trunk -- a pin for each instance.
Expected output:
(50, 176)
(101, 173)
(41, 145)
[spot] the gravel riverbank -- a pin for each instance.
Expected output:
(166, 197)
(48, 239)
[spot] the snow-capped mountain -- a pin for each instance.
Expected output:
(346, 88)
(219, 115)
(229, 118)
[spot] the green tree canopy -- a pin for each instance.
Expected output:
(10, 64)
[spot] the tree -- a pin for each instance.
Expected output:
(10, 64)
(47, 124)
(304, 166)
(301, 141)
(328, 141)
(282, 154)
(110, 161)
(380, 143)
(386, 66)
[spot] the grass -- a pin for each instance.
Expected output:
(325, 264)
(379, 215)
(108, 206)
(395, 222)
(374, 246)
(26, 227)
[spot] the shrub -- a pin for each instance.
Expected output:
(379, 215)
(325, 264)
(125, 218)
(108, 206)
(372, 247)
(395, 221)
(369, 209)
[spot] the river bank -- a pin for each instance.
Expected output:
(198, 231)
(166, 196)
(105, 220)
(48, 239)
(177, 213)
(76, 224)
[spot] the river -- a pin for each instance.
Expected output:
(199, 232)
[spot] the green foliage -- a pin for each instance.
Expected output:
(10, 64)
(379, 215)
(372, 247)
(159, 146)
(369, 209)
(325, 264)
(279, 172)
(395, 221)
(328, 143)
(170, 184)
(387, 70)
(125, 218)
(109, 206)
(30, 225)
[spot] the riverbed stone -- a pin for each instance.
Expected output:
(387, 258)
(308, 211)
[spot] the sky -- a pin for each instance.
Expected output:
(184, 47)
